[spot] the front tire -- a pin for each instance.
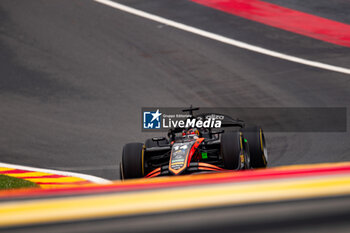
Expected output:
(131, 166)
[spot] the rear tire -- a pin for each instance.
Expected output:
(131, 166)
(231, 150)
(257, 146)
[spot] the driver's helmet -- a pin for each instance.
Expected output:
(193, 132)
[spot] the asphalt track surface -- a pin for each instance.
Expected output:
(75, 74)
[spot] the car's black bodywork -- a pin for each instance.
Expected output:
(231, 147)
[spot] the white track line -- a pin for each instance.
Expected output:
(93, 179)
(223, 39)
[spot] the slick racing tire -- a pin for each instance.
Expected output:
(231, 150)
(257, 146)
(150, 143)
(131, 166)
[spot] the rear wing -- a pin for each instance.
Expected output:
(226, 121)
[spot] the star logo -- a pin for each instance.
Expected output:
(151, 120)
(156, 115)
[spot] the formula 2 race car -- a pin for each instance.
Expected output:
(196, 150)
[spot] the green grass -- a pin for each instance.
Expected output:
(7, 182)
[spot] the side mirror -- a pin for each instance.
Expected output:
(157, 139)
(217, 131)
